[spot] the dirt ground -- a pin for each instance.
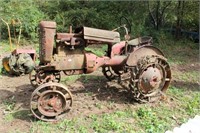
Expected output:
(91, 96)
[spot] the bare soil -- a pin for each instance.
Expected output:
(92, 96)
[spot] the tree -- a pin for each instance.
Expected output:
(25, 11)
(157, 10)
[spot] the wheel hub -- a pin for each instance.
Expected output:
(51, 103)
(150, 79)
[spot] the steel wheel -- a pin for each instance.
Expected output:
(32, 78)
(150, 79)
(38, 77)
(109, 73)
(51, 101)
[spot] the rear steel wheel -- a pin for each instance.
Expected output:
(51, 102)
(150, 79)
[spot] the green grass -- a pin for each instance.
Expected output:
(178, 52)
(82, 77)
(6, 46)
(99, 50)
(70, 79)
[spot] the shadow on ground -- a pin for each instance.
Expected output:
(102, 89)
(186, 85)
(17, 103)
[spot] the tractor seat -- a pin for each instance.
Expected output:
(140, 41)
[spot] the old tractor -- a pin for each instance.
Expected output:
(137, 65)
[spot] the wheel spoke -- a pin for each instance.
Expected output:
(33, 79)
(167, 79)
(109, 73)
(38, 93)
(42, 116)
(67, 97)
(52, 102)
(34, 104)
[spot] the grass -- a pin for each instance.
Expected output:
(83, 78)
(99, 50)
(6, 47)
(183, 101)
(70, 79)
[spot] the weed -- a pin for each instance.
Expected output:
(9, 104)
(150, 120)
(193, 105)
(5, 46)
(70, 79)
(99, 105)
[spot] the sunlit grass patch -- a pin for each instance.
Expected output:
(70, 79)
(5, 46)
(99, 50)
(192, 76)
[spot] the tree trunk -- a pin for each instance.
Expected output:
(180, 11)
(158, 15)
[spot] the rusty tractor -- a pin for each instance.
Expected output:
(136, 64)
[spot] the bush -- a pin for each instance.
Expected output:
(25, 11)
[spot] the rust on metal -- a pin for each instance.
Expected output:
(46, 34)
(101, 35)
(51, 101)
(31, 52)
(145, 50)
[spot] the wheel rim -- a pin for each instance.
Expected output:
(51, 101)
(109, 73)
(32, 78)
(152, 79)
(38, 77)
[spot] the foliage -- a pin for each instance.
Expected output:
(26, 12)
(143, 16)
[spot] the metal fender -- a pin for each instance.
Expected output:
(142, 52)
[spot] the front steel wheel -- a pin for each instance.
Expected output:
(51, 101)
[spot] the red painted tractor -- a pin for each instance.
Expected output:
(136, 64)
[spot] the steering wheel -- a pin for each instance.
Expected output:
(125, 21)
(124, 25)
